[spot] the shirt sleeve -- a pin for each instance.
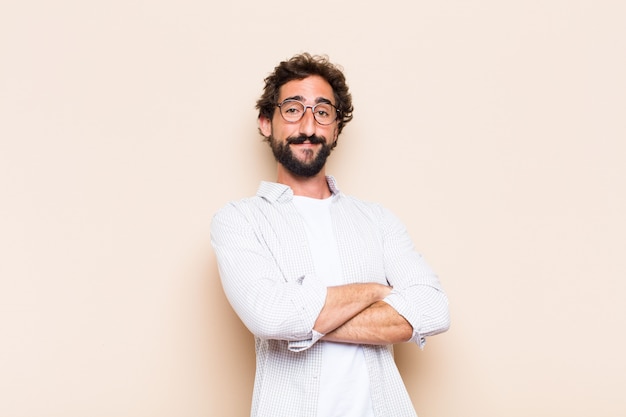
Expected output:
(268, 304)
(417, 294)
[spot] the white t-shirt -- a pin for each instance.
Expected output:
(344, 384)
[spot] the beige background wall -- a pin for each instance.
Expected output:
(495, 129)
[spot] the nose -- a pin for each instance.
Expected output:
(307, 123)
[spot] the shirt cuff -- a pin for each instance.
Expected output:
(300, 345)
(400, 304)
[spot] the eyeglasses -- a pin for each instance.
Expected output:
(293, 111)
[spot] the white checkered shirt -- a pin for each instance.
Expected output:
(268, 276)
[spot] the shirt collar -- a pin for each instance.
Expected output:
(281, 193)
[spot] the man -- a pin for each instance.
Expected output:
(325, 282)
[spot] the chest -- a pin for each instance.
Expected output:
(358, 240)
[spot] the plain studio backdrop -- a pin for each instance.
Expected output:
(496, 131)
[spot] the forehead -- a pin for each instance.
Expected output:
(309, 89)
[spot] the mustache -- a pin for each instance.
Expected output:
(302, 138)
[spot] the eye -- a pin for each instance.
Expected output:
(291, 108)
(323, 110)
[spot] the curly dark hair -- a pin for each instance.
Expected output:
(300, 67)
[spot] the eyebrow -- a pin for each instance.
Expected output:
(317, 100)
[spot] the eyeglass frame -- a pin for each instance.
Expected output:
(337, 111)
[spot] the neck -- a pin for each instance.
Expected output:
(312, 187)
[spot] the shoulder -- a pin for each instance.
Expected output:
(370, 208)
(237, 212)
(372, 211)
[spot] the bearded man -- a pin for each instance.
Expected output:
(327, 283)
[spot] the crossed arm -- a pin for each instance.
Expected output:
(355, 313)
(273, 307)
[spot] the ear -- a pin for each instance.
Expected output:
(265, 126)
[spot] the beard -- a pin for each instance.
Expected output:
(284, 156)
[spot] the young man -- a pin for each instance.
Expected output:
(326, 283)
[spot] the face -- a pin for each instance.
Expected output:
(301, 147)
